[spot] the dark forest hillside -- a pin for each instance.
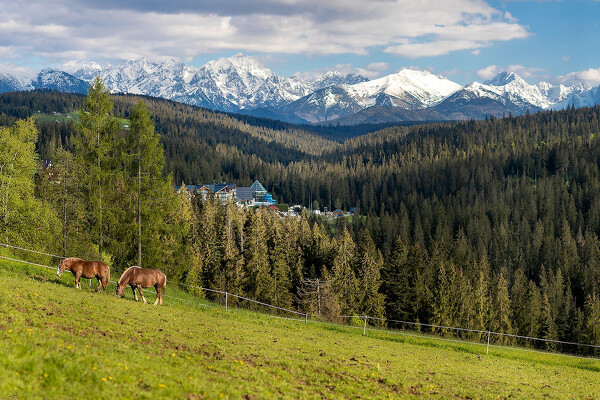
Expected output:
(490, 224)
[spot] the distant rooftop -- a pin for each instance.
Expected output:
(257, 187)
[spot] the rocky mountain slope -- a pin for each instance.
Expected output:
(241, 84)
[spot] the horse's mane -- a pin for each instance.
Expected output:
(127, 272)
(73, 259)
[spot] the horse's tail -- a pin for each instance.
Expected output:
(164, 287)
(108, 276)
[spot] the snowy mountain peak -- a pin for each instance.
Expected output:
(335, 78)
(242, 83)
(504, 78)
(408, 88)
(89, 71)
(239, 63)
(49, 78)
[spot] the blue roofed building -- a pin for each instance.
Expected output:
(255, 195)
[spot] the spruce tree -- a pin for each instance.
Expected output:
(259, 281)
(369, 265)
(345, 285)
(280, 270)
(547, 326)
(592, 321)
(501, 318)
(93, 146)
(398, 283)
(232, 262)
(534, 307)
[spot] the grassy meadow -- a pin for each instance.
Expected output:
(57, 342)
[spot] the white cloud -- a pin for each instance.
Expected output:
(20, 72)
(527, 73)
(459, 37)
(111, 30)
(373, 70)
(589, 76)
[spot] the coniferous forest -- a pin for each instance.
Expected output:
(489, 225)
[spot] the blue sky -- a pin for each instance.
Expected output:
(465, 40)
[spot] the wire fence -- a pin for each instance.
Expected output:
(487, 338)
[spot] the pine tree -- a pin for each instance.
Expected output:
(96, 135)
(232, 262)
(481, 303)
(369, 265)
(501, 318)
(209, 240)
(592, 321)
(259, 281)
(345, 284)
(442, 290)
(280, 270)
(547, 326)
(398, 283)
(534, 307)
(145, 196)
(518, 295)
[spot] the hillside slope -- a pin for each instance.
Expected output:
(58, 342)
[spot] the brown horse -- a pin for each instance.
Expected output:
(139, 278)
(86, 269)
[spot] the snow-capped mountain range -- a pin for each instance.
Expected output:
(242, 84)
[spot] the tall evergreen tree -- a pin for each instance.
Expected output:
(501, 318)
(93, 145)
(232, 262)
(345, 284)
(547, 326)
(280, 269)
(398, 283)
(592, 321)
(369, 264)
(259, 281)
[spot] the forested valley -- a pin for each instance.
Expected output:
(489, 225)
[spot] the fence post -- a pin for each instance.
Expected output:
(226, 299)
(487, 350)
(90, 283)
(306, 319)
(365, 327)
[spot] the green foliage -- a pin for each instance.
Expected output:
(500, 213)
(345, 284)
(592, 322)
(24, 219)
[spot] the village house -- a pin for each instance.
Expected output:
(255, 195)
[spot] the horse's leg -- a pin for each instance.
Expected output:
(142, 294)
(134, 293)
(99, 282)
(157, 294)
(77, 285)
(161, 296)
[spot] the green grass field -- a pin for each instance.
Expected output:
(58, 342)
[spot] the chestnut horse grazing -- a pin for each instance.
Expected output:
(139, 278)
(86, 269)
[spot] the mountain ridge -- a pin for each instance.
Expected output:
(241, 84)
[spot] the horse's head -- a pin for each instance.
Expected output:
(61, 267)
(119, 290)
